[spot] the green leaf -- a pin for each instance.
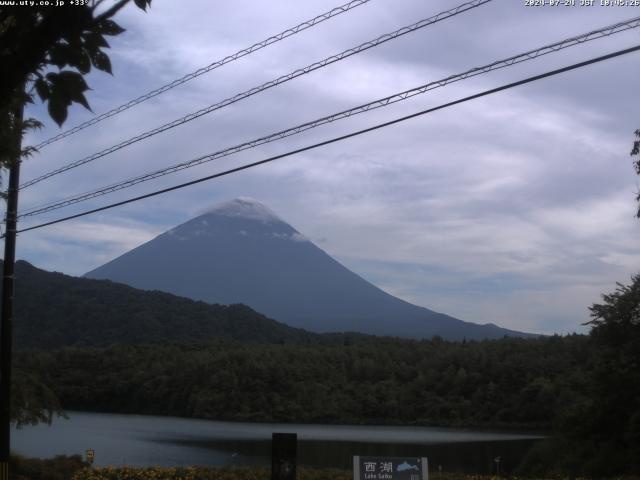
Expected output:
(66, 87)
(82, 62)
(72, 81)
(109, 27)
(42, 87)
(70, 54)
(58, 110)
(142, 4)
(79, 97)
(101, 61)
(31, 124)
(60, 55)
(94, 41)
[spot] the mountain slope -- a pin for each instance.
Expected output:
(241, 252)
(54, 310)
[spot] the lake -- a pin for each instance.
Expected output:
(143, 440)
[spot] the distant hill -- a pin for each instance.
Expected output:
(54, 310)
(242, 252)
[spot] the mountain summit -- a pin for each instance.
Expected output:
(245, 207)
(242, 252)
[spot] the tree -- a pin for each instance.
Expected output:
(636, 164)
(36, 39)
(606, 421)
(45, 50)
(615, 392)
(32, 400)
(599, 428)
(598, 425)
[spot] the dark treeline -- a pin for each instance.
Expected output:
(584, 389)
(510, 382)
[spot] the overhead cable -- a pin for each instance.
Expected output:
(382, 102)
(253, 91)
(340, 138)
(212, 66)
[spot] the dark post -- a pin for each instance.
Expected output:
(7, 299)
(284, 453)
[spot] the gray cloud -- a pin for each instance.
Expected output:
(515, 209)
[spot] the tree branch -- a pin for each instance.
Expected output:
(112, 11)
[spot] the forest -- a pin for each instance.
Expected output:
(511, 382)
(231, 363)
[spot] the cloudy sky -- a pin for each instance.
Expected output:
(517, 208)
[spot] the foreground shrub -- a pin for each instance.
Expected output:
(61, 467)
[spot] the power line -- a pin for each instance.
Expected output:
(383, 102)
(253, 91)
(212, 66)
(342, 137)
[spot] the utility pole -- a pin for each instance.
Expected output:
(7, 291)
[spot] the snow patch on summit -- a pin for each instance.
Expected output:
(294, 237)
(245, 207)
(174, 233)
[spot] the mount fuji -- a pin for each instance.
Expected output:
(242, 252)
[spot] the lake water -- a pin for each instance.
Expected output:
(168, 441)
